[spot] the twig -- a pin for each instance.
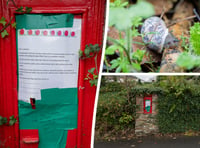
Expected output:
(180, 20)
(163, 10)
(4, 28)
(197, 15)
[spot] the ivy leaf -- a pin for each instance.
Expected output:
(4, 34)
(3, 21)
(87, 52)
(91, 70)
(14, 25)
(80, 53)
(28, 9)
(96, 48)
(172, 108)
(20, 9)
(3, 120)
(12, 121)
(93, 82)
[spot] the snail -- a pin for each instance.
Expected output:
(156, 35)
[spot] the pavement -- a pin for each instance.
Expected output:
(152, 142)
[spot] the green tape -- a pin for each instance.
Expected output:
(44, 21)
(55, 114)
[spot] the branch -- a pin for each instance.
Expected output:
(180, 20)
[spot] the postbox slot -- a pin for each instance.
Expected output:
(31, 140)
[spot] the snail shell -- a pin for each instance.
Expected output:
(156, 35)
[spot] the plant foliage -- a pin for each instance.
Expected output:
(126, 19)
(179, 106)
(191, 57)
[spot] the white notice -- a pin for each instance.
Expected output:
(147, 103)
(47, 58)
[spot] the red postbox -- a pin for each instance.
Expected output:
(89, 15)
(147, 104)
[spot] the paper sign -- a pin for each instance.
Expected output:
(147, 105)
(47, 58)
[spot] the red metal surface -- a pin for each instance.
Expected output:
(147, 98)
(71, 138)
(92, 12)
(29, 138)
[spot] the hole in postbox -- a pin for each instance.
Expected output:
(48, 62)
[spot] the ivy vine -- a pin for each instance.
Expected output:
(4, 121)
(90, 52)
(4, 24)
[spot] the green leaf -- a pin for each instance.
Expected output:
(91, 70)
(14, 25)
(28, 9)
(87, 52)
(119, 15)
(115, 63)
(3, 120)
(172, 108)
(20, 9)
(3, 21)
(4, 34)
(111, 49)
(194, 38)
(93, 82)
(138, 55)
(136, 66)
(187, 61)
(142, 9)
(12, 120)
(122, 18)
(80, 53)
(96, 48)
(118, 3)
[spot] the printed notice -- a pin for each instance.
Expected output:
(47, 58)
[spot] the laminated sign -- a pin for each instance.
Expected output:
(48, 61)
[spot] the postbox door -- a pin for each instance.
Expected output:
(48, 63)
(147, 105)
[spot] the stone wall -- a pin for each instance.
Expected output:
(145, 123)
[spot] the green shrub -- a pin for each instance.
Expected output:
(114, 112)
(179, 106)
